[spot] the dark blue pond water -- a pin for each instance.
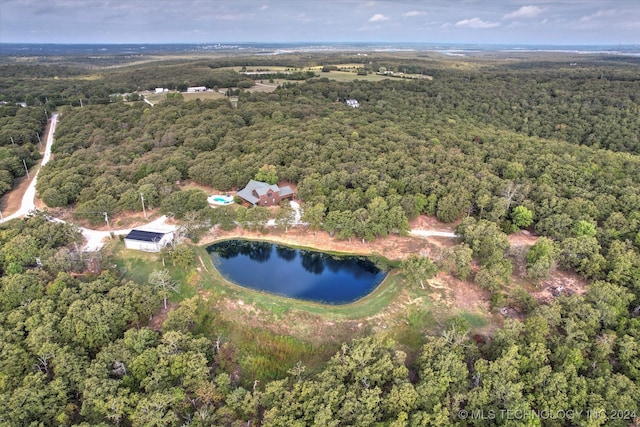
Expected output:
(295, 273)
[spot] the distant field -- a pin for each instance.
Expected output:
(347, 76)
(158, 97)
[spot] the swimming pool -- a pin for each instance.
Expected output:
(220, 199)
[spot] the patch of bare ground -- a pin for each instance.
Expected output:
(119, 221)
(393, 247)
(522, 238)
(424, 222)
(461, 295)
(160, 316)
(11, 201)
(560, 283)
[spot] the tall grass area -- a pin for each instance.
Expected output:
(263, 355)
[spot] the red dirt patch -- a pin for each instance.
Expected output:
(522, 238)
(561, 283)
(11, 201)
(393, 247)
(424, 222)
(160, 316)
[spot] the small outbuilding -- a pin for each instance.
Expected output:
(195, 89)
(148, 241)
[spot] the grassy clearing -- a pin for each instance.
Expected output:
(137, 265)
(159, 97)
(476, 321)
(348, 76)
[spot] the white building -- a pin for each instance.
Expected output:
(195, 89)
(352, 103)
(148, 241)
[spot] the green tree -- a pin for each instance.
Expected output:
(183, 257)
(268, 174)
(20, 251)
(314, 215)
(541, 259)
(495, 275)
(582, 254)
(285, 217)
(452, 206)
(224, 216)
(179, 203)
(254, 218)
(458, 261)
(418, 269)
(486, 240)
(584, 228)
(521, 217)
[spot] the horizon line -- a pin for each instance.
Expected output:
(321, 42)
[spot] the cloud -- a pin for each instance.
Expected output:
(599, 15)
(378, 17)
(524, 12)
(476, 23)
(264, 7)
(414, 13)
(601, 19)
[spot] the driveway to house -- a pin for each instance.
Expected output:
(28, 199)
(96, 238)
(431, 233)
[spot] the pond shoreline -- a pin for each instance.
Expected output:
(391, 249)
(301, 274)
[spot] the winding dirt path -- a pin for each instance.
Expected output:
(27, 203)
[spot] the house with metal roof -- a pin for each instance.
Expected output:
(352, 103)
(148, 241)
(260, 193)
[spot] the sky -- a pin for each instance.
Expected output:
(559, 22)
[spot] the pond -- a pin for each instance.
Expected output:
(295, 273)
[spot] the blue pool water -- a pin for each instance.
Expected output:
(295, 273)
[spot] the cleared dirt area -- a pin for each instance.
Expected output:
(160, 316)
(11, 201)
(393, 247)
(560, 283)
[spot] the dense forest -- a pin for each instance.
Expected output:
(550, 148)
(20, 130)
(76, 352)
